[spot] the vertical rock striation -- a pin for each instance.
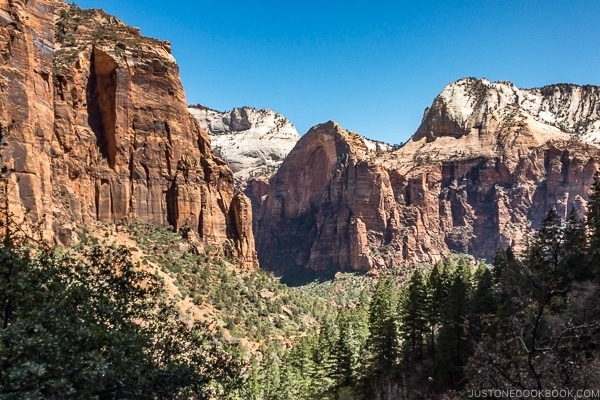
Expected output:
(95, 127)
(487, 163)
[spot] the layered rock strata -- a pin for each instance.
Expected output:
(487, 163)
(95, 127)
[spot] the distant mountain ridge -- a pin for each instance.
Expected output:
(556, 110)
(487, 163)
(254, 142)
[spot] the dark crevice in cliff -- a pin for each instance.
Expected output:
(164, 128)
(101, 95)
(201, 223)
(171, 200)
(232, 228)
(97, 199)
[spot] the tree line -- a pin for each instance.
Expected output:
(89, 323)
(530, 321)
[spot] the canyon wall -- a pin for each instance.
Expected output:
(95, 127)
(484, 168)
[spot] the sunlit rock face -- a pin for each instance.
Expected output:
(252, 142)
(95, 127)
(485, 166)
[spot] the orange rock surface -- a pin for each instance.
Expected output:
(484, 168)
(95, 127)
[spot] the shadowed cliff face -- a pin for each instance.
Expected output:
(486, 165)
(309, 216)
(96, 128)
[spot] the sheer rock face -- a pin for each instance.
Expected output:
(252, 142)
(95, 127)
(309, 216)
(487, 163)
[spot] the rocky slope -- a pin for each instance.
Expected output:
(95, 127)
(488, 161)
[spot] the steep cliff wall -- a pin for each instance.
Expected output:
(487, 163)
(252, 142)
(27, 105)
(95, 127)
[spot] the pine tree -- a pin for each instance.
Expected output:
(546, 256)
(273, 376)
(348, 349)
(437, 289)
(593, 225)
(499, 263)
(412, 313)
(574, 264)
(453, 339)
(483, 303)
(383, 334)
(324, 356)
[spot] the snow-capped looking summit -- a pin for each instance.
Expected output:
(252, 142)
(560, 110)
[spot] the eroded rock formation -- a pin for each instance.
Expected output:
(95, 127)
(487, 163)
(252, 142)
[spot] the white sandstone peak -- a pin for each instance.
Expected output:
(253, 142)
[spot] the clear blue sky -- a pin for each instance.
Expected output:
(371, 66)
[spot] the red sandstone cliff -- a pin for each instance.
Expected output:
(487, 163)
(95, 127)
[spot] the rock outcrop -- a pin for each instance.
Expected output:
(252, 142)
(485, 166)
(95, 127)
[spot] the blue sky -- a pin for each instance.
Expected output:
(371, 66)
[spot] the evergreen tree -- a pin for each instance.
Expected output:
(499, 263)
(574, 263)
(348, 350)
(483, 302)
(274, 383)
(593, 211)
(325, 357)
(508, 277)
(547, 267)
(453, 340)
(383, 334)
(593, 225)
(254, 388)
(437, 289)
(412, 313)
